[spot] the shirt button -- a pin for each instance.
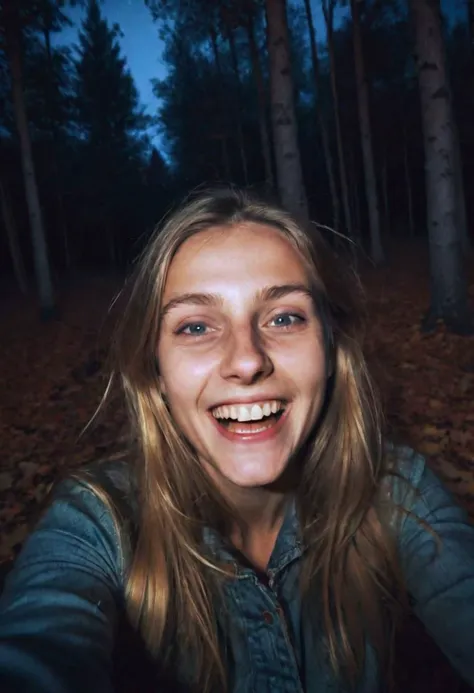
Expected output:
(267, 617)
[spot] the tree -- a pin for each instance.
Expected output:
(13, 242)
(210, 78)
(230, 23)
(470, 21)
(201, 24)
(51, 75)
(11, 20)
(328, 7)
(377, 252)
(226, 31)
(249, 24)
(285, 129)
(187, 112)
(324, 131)
(111, 124)
(448, 280)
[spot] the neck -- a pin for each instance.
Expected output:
(259, 517)
(259, 514)
(259, 509)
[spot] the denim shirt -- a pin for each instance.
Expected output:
(62, 601)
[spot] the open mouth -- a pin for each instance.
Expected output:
(249, 418)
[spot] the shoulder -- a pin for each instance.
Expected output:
(114, 478)
(95, 503)
(406, 469)
(418, 492)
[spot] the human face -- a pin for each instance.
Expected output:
(240, 337)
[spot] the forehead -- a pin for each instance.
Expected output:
(246, 254)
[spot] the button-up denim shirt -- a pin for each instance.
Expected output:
(60, 606)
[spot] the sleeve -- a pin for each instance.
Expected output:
(438, 565)
(58, 610)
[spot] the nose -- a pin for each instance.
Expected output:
(245, 359)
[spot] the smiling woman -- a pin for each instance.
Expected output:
(241, 340)
(259, 533)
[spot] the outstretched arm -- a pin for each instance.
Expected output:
(58, 610)
(440, 572)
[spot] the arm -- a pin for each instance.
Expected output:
(440, 575)
(58, 609)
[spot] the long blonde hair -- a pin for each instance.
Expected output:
(350, 565)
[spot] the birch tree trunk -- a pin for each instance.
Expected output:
(448, 279)
(328, 12)
(376, 249)
(321, 119)
(40, 253)
(261, 102)
(285, 130)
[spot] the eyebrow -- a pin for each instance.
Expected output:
(269, 293)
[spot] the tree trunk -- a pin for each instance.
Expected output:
(470, 21)
(13, 244)
(448, 279)
(261, 101)
(376, 248)
(328, 11)
(220, 103)
(240, 133)
(285, 130)
(322, 121)
(225, 157)
(40, 253)
(54, 160)
(352, 247)
(406, 169)
(111, 244)
(386, 204)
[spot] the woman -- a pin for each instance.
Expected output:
(260, 535)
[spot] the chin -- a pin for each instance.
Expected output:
(252, 478)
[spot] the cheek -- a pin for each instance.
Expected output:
(183, 373)
(306, 366)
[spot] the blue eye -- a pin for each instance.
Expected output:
(194, 329)
(287, 320)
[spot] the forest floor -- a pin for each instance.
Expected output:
(52, 376)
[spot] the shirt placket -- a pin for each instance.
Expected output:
(271, 653)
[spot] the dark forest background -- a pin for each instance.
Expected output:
(102, 186)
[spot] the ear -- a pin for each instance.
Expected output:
(162, 386)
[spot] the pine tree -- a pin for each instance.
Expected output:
(14, 20)
(110, 122)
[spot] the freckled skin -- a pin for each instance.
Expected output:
(241, 346)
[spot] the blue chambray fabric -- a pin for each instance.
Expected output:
(60, 606)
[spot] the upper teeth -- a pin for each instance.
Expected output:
(249, 412)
